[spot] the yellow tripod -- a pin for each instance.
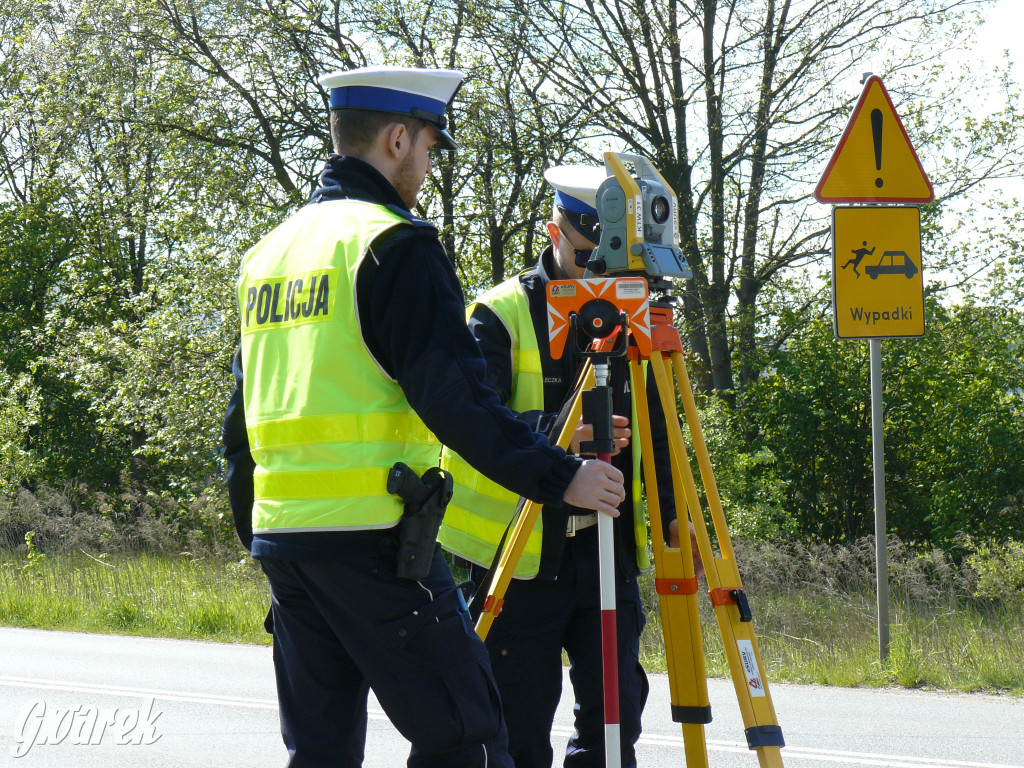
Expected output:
(675, 580)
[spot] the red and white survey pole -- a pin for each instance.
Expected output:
(597, 410)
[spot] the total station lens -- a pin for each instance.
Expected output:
(660, 209)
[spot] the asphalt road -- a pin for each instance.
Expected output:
(202, 704)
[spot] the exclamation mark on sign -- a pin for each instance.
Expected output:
(876, 134)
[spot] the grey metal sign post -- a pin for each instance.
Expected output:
(878, 471)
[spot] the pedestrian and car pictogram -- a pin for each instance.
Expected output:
(890, 263)
(893, 263)
(882, 246)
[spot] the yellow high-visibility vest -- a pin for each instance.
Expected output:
(325, 422)
(480, 509)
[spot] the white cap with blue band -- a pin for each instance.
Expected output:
(422, 93)
(576, 195)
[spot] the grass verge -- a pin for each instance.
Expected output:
(138, 594)
(810, 628)
(952, 625)
(829, 641)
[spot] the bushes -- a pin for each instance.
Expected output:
(75, 518)
(1000, 572)
(917, 576)
(794, 457)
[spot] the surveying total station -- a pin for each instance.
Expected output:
(609, 313)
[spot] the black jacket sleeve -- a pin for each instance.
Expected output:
(412, 315)
(239, 458)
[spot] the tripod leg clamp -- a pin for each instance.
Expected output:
(691, 715)
(764, 736)
(492, 603)
(676, 586)
(732, 596)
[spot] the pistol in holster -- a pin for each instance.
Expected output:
(425, 500)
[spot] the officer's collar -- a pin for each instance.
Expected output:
(349, 178)
(546, 265)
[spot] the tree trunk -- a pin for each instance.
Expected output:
(715, 295)
(496, 246)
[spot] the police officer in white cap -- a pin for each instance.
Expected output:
(553, 603)
(356, 356)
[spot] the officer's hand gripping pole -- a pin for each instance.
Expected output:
(425, 501)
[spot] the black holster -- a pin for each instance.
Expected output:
(425, 501)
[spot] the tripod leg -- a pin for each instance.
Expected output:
(675, 581)
(728, 596)
(527, 519)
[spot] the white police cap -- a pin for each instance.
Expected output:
(422, 93)
(576, 195)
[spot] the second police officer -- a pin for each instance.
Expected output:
(553, 603)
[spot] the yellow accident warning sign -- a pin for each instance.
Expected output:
(875, 161)
(877, 285)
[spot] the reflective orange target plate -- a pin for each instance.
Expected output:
(628, 294)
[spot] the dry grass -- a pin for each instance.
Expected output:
(815, 618)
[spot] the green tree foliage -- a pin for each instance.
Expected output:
(266, 107)
(115, 239)
(19, 412)
(139, 166)
(739, 102)
(145, 144)
(811, 412)
(953, 436)
(799, 461)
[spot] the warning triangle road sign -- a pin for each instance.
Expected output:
(875, 161)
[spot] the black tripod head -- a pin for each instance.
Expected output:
(599, 319)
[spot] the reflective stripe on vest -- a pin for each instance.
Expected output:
(480, 509)
(325, 422)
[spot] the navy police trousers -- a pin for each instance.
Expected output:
(540, 618)
(341, 628)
